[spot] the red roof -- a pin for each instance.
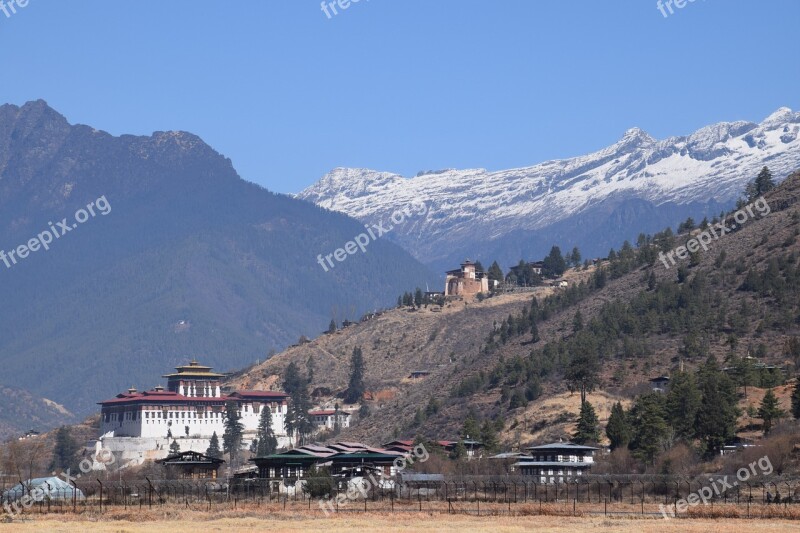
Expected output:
(173, 397)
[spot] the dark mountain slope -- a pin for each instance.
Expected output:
(191, 261)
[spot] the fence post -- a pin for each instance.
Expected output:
(74, 497)
(101, 494)
(149, 493)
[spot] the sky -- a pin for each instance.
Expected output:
(289, 93)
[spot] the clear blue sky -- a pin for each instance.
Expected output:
(401, 85)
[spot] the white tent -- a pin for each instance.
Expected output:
(43, 488)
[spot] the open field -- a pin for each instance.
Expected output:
(189, 523)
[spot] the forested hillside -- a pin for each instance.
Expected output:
(515, 366)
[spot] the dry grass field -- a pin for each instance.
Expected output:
(189, 523)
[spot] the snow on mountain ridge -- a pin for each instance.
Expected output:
(713, 163)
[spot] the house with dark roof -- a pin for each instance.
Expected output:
(557, 462)
(191, 465)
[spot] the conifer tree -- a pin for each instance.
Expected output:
(649, 425)
(682, 403)
(174, 447)
(583, 373)
(716, 418)
(291, 379)
(355, 389)
(577, 321)
(588, 426)
(495, 273)
(234, 429)
(488, 437)
(310, 367)
(298, 421)
(618, 428)
(575, 257)
(332, 326)
(554, 263)
(459, 451)
(65, 451)
(761, 185)
(796, 399)
(769, 412)
(213, 447)
(267, 442)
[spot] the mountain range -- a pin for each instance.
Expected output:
(595, 201)
(190, 261)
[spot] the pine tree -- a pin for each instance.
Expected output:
(588, 426)
(418, 297)
(174, 448)
(310, 366)
(291, 379)
(471, 428)
(582, 374)
(488, 437)
(355, 389)
(232, 438)
(267, 442)
(65, 451)
(796, 399)
(761, 185)
(298, 421)
(459, 451)
(332, 326)
(649, 425)
(575, 257)
(716, 418)
(682, 403)
(554, 263)
(770, 412)
(618, 428)
(495, 273)
(577, 321)
(213, 447)
(337, 424)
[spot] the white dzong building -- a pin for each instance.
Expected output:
(142, 425)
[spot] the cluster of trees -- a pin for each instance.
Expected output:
(700, 409)
(418, 299)
(692, 310)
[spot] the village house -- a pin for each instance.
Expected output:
(466, 281)
(343, 459)
(659, 384)
(191, 465)
(325, 419)
(557, 462)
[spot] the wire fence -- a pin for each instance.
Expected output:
(645, 495)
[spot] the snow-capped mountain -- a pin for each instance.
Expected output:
(593, 201)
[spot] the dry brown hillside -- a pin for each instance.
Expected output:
(448, 343)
